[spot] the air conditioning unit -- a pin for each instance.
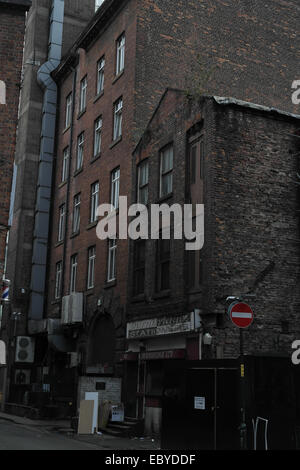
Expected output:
(25, 349)
(22, 377)
(72, 309)
(65, 310)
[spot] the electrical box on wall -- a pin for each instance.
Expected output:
(25, 349)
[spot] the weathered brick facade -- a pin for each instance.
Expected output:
(211, 47)
(251, 243)
(12, 28)
(251, 219)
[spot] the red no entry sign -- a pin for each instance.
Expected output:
(241, 315)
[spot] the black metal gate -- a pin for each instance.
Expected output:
(200, 408)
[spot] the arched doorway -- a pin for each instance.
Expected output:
(101, 346)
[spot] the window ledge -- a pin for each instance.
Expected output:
(81, 113)
(118, 76)
(56, 302)
(97, 97)
(59, 244)
(162, 294)
(90, 291)
(165, 198)
(96, 157)
(138, 298)
(115, 142)
(110, 284)
(77, 172)
(75, 234)
(66, 129)
(194, 291)
(92, 225)
(62, 184)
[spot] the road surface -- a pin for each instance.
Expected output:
(21, 437)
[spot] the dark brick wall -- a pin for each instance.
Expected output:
(112, 156)
(251, 221)
(250, 49)
(12, 27)
(255, 223)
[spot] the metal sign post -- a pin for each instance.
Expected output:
(242, 317)
(243, 426)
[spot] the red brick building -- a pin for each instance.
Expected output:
(12, 28)
(241, 161)
(109, 85)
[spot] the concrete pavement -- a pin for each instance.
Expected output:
(61, 435)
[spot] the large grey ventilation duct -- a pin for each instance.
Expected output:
(43, 199)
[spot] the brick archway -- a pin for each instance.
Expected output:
(101, 344)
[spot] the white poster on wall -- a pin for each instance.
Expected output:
(93, 396)
(199, 403)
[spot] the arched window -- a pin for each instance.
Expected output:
(2, 92)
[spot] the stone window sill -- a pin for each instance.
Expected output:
(92, 225)
(164, 198)
(66, 128)
(162, 294)
(81, 113)
(118, 76)
(77, 172)
(96, 157)
(115, 142)
(138, 298)
(110, 284)
(97, 97)
(74, 235)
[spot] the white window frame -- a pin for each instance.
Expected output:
(115, 187)
(76, 213)
(167, 173)
(73, 273)
(61, 223)
(100, 75)
(111, 261)
(97, 136)
(143, 185)
(118, 112)
(83, 93)
(80, 151)
(95, 188)
(120, 52)
(68, 110)
(58, 280)
(65, 167)
(91, 267)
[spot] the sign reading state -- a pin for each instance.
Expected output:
(163, 326)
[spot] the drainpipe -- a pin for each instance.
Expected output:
(43, 198)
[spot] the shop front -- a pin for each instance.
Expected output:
(152, 343)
